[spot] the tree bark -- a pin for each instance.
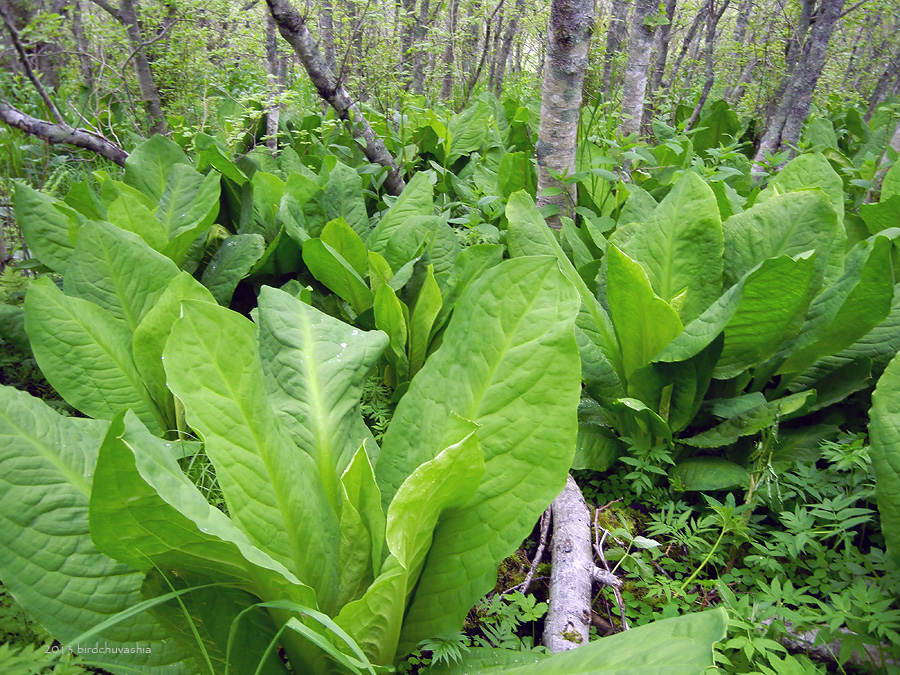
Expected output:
(450, 52)
(568, 621)
(615, 36)
(658, 68)
(62, 133)
(640, 42)
(84, 59)
(891, 69)
(785, 128)
(294, 30)
(685, 47)
(418, 59)
(326, 26)
(273, 113)
(405, 15)
(506, 47)
(712, 21)
(567, 57)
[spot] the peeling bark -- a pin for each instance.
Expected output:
(561, 92)
(62, 133)
(294, 30)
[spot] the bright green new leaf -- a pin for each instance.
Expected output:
(152, 332)
(601, 360)
(786, 224)
(884, 431)
(330, 267)
(231, 262)
(856, 303)
(118, 271)
(422, 317)
(417, 199)
(190, 201)
(807, 171)
(271, 487)
(137, 475)
(85, 353)
(46, 229)
(891, 185)
(680, 247)
(346, 242)
(392, 317)
(508, 343)
(150, 164)
(131, 215)
(47, 559)
(644, 322)
(343, 198)
(315, 367)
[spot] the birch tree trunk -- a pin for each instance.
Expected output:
(640, 42)
(615, 36)
(273, 113)
(685, 47)
(450, 52)
(126, 14)
(418, 58)
(506, 47)
(712, 22)
(891, 70)
(326, 27)
(788, 120)
(84, 57)
(292, 26)
(658, 68)
(567, 57)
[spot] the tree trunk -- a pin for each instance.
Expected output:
(685, 47)
(712, 21)
(62, 133)
(664, 34)
(891, 69)
(406, 16)
(450, 52)
(788, 119)
(568, 621)
(567, 58)
(326, 26)
(81, 41)
(273, 113)
(146, 83)
(640, 42)
(294, 30)
(506, 47)
(418, 60)
(618, 31)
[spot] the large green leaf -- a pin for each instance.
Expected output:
(189, 202)
(131, 215)
(601, 360)
(422, 317)
(680, 246)
(271, 487)
(417, 199)
(150, 164)
(315, 368)
(151, 334)
(340, 236)
(708, 473)
(85, 353)
(645, 323)
(136, 477)
(856, 303)
(231, 262)
(508, 359)
(891, 185)
(330, 267)
(117, 271)
(807, 171)
(884, 430)
(47, 559)
(446, 482)
(344, 198)
(45, 228)
(678, 646)
(786, 224)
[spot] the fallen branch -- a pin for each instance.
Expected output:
(538, 554)
(292, 26)
(62, 133)
(569, 616)
(804, 641)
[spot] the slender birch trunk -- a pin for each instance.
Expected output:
(449, 58)
(567, 57)
(712, 22)
(615, 36)
(686, 45)
(292, 26)
(658, 67)
(326, 28)
(506, 46)
(640, 42)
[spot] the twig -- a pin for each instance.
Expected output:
(598, 549)
(538, 554)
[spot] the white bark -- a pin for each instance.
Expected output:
(640, 43)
